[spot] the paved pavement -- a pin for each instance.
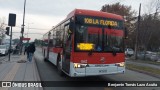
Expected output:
(17, 69)
(52, 75)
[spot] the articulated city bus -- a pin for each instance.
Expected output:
(87, 43)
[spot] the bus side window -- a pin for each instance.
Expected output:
(54, 42)
(66, 34)
(50, 43)
(58, 41)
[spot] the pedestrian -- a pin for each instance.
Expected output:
(30, 50)
(25, 50)
(16, 49)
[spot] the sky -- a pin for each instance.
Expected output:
(42, 15)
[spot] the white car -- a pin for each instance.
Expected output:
(4, 49)
(129, 52)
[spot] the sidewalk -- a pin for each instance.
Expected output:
(17, 69)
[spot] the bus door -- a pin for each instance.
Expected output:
(66, 49)
(48, 47)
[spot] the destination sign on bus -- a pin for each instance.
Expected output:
(100, 21)
(85, 46)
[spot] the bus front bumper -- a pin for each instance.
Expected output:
(95, 69)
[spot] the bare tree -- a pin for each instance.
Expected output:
(2, 29)
(150, 28)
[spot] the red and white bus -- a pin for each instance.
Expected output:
(87, 43)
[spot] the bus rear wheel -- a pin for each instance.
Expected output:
(45, 59)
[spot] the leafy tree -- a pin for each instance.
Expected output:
(38, 42)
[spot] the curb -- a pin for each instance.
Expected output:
(37, 73)
(36, 70)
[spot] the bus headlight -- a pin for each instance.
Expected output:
(122, 64)
(78, 65)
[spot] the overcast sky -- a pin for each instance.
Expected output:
(43, 14)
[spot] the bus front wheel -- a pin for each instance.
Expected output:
(45, 59)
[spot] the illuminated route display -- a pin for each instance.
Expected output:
(99, 21)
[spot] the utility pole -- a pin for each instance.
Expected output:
(137, 32)
(22, 29)
(10, 44)
(28, 28)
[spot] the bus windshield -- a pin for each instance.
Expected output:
(88, 36)
(113, 40)
(98, 39)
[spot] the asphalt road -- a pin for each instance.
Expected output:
(48, 72)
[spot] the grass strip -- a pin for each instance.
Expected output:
(150, 70)
(147, 61)
(150, 62)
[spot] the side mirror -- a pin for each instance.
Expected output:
(125, 33)
(71, 25)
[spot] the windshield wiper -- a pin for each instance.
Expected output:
(114, 51)
(90, 53)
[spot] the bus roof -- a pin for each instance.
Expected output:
(94, 13)
(90, 13)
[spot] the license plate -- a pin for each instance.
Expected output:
(102, 71)
(100, 65)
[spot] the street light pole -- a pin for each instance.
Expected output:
(22, 29)
(10, 44)
(28, 30)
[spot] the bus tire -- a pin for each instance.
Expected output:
(60, 72)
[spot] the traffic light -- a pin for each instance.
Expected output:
(7, 31)
(12, 19)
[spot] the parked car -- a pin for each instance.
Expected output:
(154, 57)
(140, 55)
(148, 55)
(129, 52)
(4, 49)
